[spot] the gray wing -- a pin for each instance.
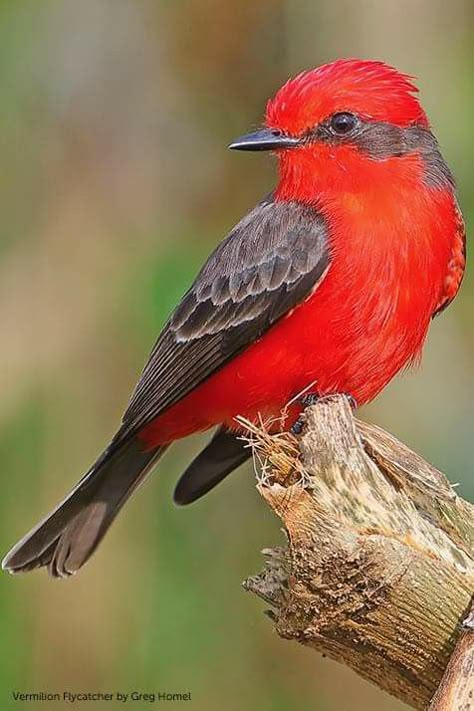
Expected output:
(269, 263)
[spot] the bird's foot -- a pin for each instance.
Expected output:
(306, 400)
(310, 399)
(297, 426)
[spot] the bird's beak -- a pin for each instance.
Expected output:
(266, 139)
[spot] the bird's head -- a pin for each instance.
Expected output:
(344, 124)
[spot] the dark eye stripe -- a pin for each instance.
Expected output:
(380, 141)
(384, 140)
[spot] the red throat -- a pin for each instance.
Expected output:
(323, 174)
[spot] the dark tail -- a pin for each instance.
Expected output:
(224, 453)
(66, 538)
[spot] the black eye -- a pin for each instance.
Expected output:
(343, 123)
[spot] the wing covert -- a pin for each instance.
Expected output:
(268, 264)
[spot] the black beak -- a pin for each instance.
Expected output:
(266, 139)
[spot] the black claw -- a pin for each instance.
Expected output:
(309, 399)
(297, 427)
(306, 400)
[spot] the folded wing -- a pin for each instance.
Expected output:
(272, 260)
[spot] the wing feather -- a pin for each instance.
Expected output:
(269, 263)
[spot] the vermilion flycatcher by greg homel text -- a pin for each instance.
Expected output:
(330, 283)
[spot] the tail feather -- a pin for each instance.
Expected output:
(224, 453)
(67, 537)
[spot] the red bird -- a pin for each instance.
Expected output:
(329, 284)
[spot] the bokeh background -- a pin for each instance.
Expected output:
(115, 184)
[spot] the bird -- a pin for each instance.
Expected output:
(328, 285)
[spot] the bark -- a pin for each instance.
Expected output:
(379, 568)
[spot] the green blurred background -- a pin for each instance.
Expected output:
(115, 185)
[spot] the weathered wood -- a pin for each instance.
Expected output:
(379, 568)
(456, 690)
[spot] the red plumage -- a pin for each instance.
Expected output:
(398, 252)
(329, 284)
(369, 88)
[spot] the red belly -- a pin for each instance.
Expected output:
(320, 346)
(366, 321)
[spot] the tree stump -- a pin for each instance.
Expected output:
(379, 568)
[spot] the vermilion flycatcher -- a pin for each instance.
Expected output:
(329, 283)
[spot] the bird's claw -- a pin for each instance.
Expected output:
(310, 399)
(306, 400)
(297, 426)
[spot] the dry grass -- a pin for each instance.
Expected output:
(276, 456)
